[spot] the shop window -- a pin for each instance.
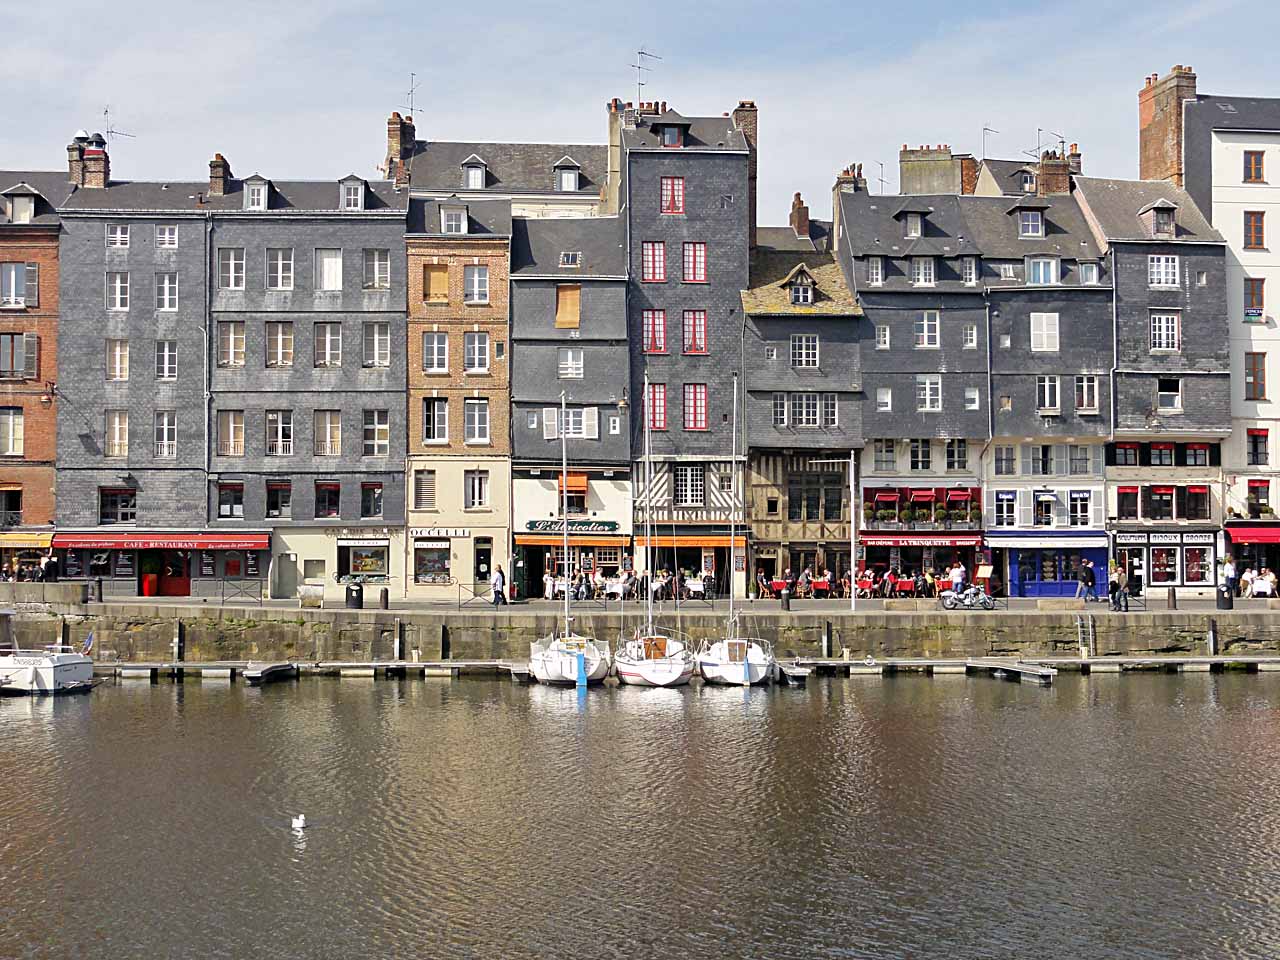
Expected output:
(370, 500)
(1199, 566)
(328, 500)
(99, 563)
(231, 501)
(1127, 503)
(279, 499)
(363, 562)
(231, 565)
(1164, 565)
(431, 561)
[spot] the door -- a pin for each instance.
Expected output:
(175, 575)
(483, 562)
(287, 575)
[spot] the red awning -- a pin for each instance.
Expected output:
(1200, 446)
(164, 541)
(919, 540)
(921, 495)
(886, 496)
(1126, 490)
(1197, 489)
(1162, 446)
(1162, 490)
(959, 495)
(1257, 431)
(1254, 534)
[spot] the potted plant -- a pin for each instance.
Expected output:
(868, 513)
(959, 516)
(975, 516)
(1266, 511)
(884, 516)
(908, 515)
(939, 514)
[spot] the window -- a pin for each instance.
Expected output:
(929, 393)
(1254, 236)
(657, 406)
(166, 359)
(1259, 497)
(475, 420)
(1028, 182)
(377, 433)
(328, 344)
(1162, 455)
(231, 268)
(117, 506)
(1078, 460)
(571, 422)
(1086, 394)
(1006, 271)
(690, 485)
(1127, 503)
(280, 343)
(1162, 222)
(167, 291)
(970, 336)
(969, 271)
(1047, 394)
(804, 349)
(1254, 297)
(231, 501)
(435, 283)
(922, 271)
(1159, 504)
(474, 177)
(280, 268)
(695, 406)
(327, 433)
(231, 343)
(1044, 332)
(279, 498)
(1089, 273)
(882, 336)
(779, 409)
(424, 489)
(11, 432)
(1169, 394)
(377, 270)
(1255, 376)
(672, 195)
(1006, 403)
(615, 426)
(830, 410)
(568, 306)
(1040, 460)
(328, 500)
(804, 409)
(435, 420)
(1202, 278)
(1166, 332)
(19, 284)
(117, 235)
(884, 399)
(279, 433)
(118, 291)
(886, 453)
(256, 199)
(655, 331)
(957, 454)
(927, 330)
(571, 258)
(802, 294)
(922, 454)
(475, 284)
(695, 331)
(1197, 455)
(567, 180)
(1006, 461)
(1042, 270)
(1257, 448)
(1162, 271)
(913, 225)
(875, 271)
(695, 263)
(1195, 504)
(653, 266)
(1253, 166)
(328, 269)
(1126, 455)
(435, 352)
(569, 366)
(453, 221)
(1030, 223)
(377, 344)
(972, 398)
(1006, 508)
(117, 359)
(475, 489)
(167, 236)
(231, 433)
(352, 196)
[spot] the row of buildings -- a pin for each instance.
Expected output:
(236, 386)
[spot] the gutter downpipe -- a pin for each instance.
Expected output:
(1115, 390)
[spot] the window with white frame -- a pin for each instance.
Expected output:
(957, 451)
(1042, 270)
(474, 177)
(166, 434)
(117, 429)
(886, 455)
(280, 343)
(117, 359)
(327, 426)
(875, 271)
(1028, 182)
(377, 269)
(922, 454)
(1166, 332)
(435, 420)
(475, 489)
(972, 398)
(1080, 504)
(922, 271)
(19, 284)
(377, 344)
(927, 324)
(1006, 271)
(567, 179)
(929, 393)
(884, 399)
(328, 343)
(377, 433)
(475, 352)
(280, 268)
(1078, 460)
(166, 236)
(231, 433)
(435, 352)
(1089, 273)
(569, 363)
(11, 432)
(690, 485)
(117, 235)
(913, 226)
(475, 420)
(231, 268)
(830, 410)
(475, 284)
(167, 291)
(1169, 394)
(118, 290)
(279, 433)
(231, 343)
(256, 199)
(1030, 223)
(804, 349)
(969, 271)
(166, 359)
(453, 220)
(804, 409)
(1086, 393)
(802, 294)
(882, 336)
(328, 269)
(1044, 332)
(571, 422)
(1162, 271)
(352, 196)
(779, 409)
(1047, 400)
(1006, 508)
(970, 336)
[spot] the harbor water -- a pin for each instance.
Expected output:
(955, 817)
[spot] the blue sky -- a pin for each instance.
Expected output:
(304, 91)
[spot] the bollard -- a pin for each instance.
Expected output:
(1212, 640)
(384, 599)
(785, 597)
(97, 590)
(826, 640)
(1173, 600)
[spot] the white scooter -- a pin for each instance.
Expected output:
(970, 598)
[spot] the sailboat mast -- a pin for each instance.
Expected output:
(733, 492)
(564, 508)
(648, 506)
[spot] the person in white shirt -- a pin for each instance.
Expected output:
(957, 577)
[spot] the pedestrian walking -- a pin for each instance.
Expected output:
(1229, 574)
(1081, 578)
(499, 584)
(1090, 583)
(1122, 590)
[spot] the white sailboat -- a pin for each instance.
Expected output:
(567, 657)
(735, 659)
(652, 658)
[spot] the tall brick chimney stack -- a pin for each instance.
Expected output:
(1074, 160)
(799, 217)
(97, 165)
(401, 136)
(219, 175)
(1160, 123)
(747, 119)
(1054, 175)
(75, 158)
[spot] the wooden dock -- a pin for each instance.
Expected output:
(257, 673)
(1009, 669)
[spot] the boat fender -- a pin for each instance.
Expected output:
(870, 661)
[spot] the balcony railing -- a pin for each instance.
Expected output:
(166, 449)
(279, 448)
(10, 518)
(327, 448)
(953, 520)
(231, 448)
(117, 448)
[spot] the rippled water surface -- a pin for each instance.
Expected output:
(968, 818)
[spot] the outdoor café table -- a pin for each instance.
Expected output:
(821, 587)
(778, 585)
(905, 586)
(614, 588)
(865, 587)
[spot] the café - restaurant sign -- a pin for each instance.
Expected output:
(575, 526)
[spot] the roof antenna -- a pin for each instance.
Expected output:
(880, 179)
(111, 131)
(1039, 137)
(413, 85)
(641, 55)
(1062, 144)
(985, 130)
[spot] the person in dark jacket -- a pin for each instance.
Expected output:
(1090, 582)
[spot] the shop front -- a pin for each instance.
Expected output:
(1254, 544)
(146, 564)
(454, 563)
(593, 545)
(20, 554)
(705, 553)
(330, 558)
(1168, 558)
(918, 551)
(1041, 565)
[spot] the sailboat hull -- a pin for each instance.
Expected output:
(667, 672)
(718, 665)
(556, 661)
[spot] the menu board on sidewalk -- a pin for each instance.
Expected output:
(71, 566)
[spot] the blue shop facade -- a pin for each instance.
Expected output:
(1039, 564)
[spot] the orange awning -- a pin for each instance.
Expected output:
(576, 540)
(694, 540)
(574, 482)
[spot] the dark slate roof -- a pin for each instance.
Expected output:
(285, 196)
(1008, 174)
(872, 230)
(703, 133)
(1115, 206)
(536, 246)
(784, 238)
(485, 217)
(509, 167)
(994, 227)
(52, 185)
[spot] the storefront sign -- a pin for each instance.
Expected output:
(575, 526)
(1131, 538)
(869, 540)
(206, 564)
(1166, 538)
(440, 532)
(361, 542)
(431, 544)
(362, 533)
(1197, 538)
(164, 541)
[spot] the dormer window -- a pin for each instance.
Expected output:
(21, 209)
(802, 293)
(570, 258)
(914, 224)
(922, 271)
(453, 219)
(1028, 182)
(474, 173)
(1162, 225)
(255, 195)
(671, 136)
(352, 195)
(566, 170)
(1030, 223)
(475, 178)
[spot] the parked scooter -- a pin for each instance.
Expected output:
(970, 598)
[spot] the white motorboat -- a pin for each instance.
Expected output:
(55, 669)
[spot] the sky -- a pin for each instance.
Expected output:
(303, 92)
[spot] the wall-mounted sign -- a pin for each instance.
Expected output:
(440, 532)
(251, 564)
(575, 526)
(1253, 313)
(206, 564)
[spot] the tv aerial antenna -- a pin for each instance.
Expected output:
(985, 130)
(640, 67)
(110, 131)
(880, 179)
(1039, 139)
(414, 84)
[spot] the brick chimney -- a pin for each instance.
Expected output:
(849, 179)
(1160, 123)
(747, 119)
(219, 175)
(968, 173)
(1074, 160)
(75, 158)
(929, 169)
(799, 217)
(97, 164)
(1054, 174)
(401, 137)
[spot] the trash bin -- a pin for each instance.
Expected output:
(355, 596)
(1225, 600)
(384, 599)
(785, 596)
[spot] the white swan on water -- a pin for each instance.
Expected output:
(300, 822)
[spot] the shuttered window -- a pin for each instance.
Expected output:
(435, 283)
(568, 305)
(424, 489)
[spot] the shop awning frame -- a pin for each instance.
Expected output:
(920, 540)
(146, 540)
(578, 540)
(692, 540)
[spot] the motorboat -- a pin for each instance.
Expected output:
(55, 669)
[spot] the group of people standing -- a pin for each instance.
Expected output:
(43, 571)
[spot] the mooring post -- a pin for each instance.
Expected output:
(179, 644)
(826, 640)
(1173, 599)
(1212, 639)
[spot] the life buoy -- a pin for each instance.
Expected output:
(870, 661)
